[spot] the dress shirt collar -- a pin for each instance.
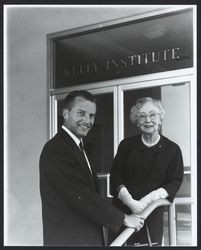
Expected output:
(76, 140)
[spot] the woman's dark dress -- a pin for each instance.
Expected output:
(142, 170)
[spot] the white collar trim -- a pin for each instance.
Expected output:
(150, 144)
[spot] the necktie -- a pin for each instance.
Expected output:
(81, 144)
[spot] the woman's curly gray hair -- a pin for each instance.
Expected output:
(140, 102)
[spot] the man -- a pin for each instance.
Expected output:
(73, 210)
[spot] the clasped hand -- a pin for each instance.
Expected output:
(135, 206)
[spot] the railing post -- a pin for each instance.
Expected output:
(172, 225)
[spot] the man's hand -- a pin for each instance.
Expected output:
(133, 221)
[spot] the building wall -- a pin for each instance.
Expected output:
(26, 104)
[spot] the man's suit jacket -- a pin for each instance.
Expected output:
(73, 211)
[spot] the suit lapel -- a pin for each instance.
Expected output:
(79, 155)
(94, 175)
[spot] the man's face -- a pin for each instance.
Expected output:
(80, 119)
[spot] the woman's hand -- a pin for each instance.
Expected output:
(136, 206)
(159, 193)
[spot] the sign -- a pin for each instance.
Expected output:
(120, 63)
(159, 44)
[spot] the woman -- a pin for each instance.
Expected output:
(146, 167)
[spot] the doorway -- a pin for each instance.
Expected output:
(114, 100)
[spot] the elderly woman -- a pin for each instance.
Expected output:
(146, 167)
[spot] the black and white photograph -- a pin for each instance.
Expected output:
(100, 125)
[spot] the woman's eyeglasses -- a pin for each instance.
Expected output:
(143, 116)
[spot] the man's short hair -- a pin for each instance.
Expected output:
(70, 98)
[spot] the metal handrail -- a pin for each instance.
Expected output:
(122, 238)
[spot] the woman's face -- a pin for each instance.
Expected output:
(149, 119)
